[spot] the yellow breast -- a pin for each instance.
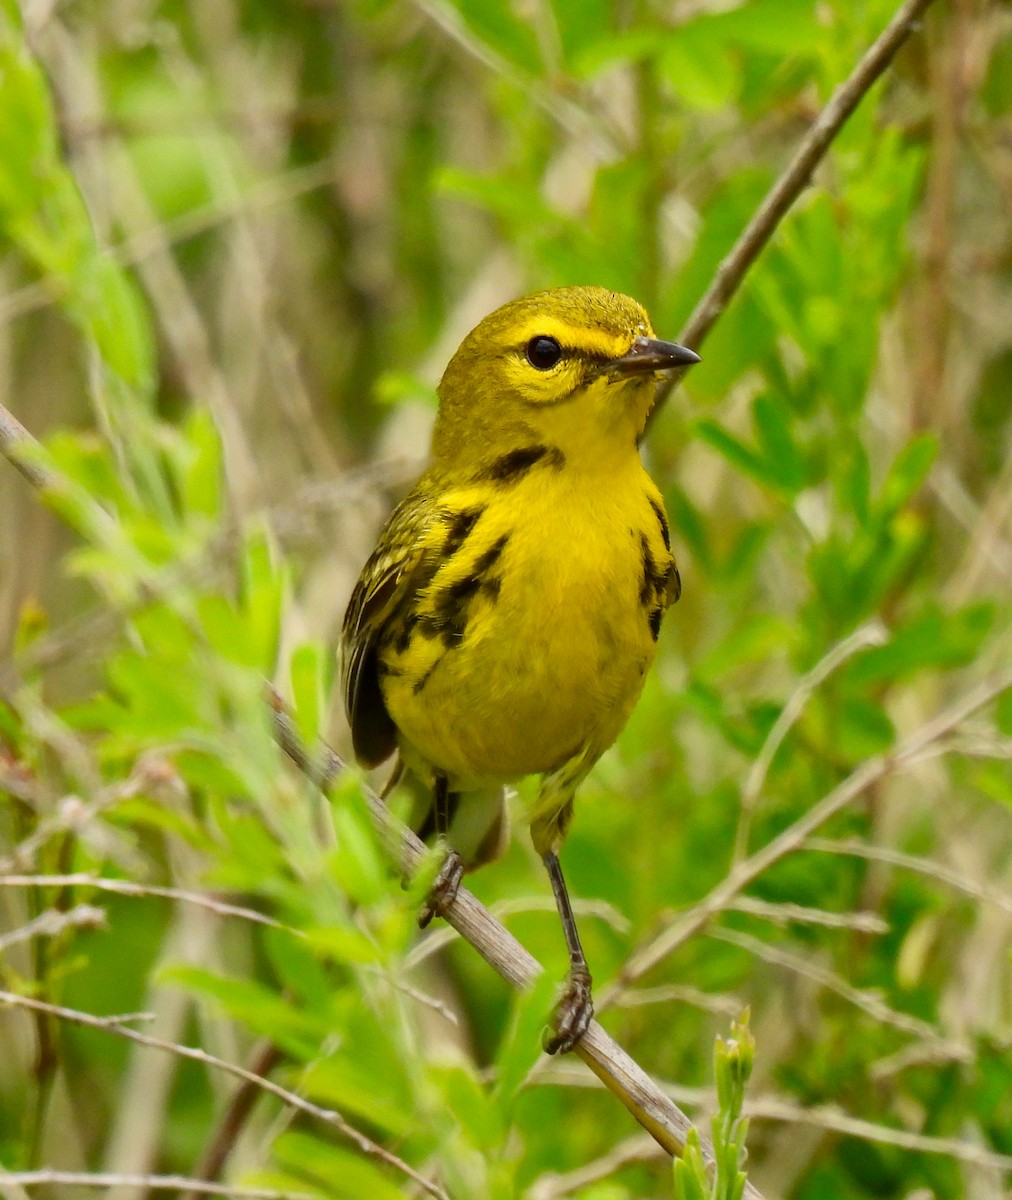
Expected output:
(529, 643)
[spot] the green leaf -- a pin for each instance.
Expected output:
(336, 1171)
(697, 63)
(521, 1044)
(584, 25)
(309, 672)
(754, 638)
(737, 453)
(297, 968)
(628, 46)
(471, 1106)
(906, 474)
(357, 862)
(688, 527)
(493, 22)
(344, 943)
(778, 27)
(256, 1006)
(691, 1177)
(262, 600)
(200, 474)
(369, 1087)
(854, 481)
(934, 638)
(781, 455)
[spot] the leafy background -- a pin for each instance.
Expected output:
(239, 243)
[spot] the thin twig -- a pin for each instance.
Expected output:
(682, 993)
(829, 1117)
(52, 922)
(125, 887)
(773, 1108)
(794, 836)
(912, 862)
(784, 913)
(795, 178)
(872, 634)
(867, 1000)
(158, 1183)
(233, 1120)
(328, 1116)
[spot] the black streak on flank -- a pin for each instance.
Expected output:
(448, 618)
(460, 526)
(404, 632)
(658, 587)
(511, 467)
(663, 522)
(491, 555)
(648, 587)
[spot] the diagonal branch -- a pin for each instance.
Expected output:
(15, 440)
(795, 178)
(659, 1115)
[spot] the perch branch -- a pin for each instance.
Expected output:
(658, 1115)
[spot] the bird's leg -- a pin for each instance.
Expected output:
(575, 1008)
(451, 871)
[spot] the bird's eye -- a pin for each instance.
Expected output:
(543, 353)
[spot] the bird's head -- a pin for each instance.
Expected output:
(574, 368)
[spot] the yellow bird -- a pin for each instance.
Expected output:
(505, 621)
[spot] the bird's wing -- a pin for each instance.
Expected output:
(403, 560)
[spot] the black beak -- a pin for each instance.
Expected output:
(651, 354)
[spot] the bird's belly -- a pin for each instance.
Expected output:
(549, 665)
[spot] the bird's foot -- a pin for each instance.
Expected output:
(444, 888)
(572, 1014)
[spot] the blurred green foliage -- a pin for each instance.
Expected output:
(238, 243)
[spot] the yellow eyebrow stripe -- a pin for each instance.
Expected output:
(597, 343)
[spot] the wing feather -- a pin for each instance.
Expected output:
(389, 580)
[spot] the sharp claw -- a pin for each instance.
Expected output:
(572, 1015)
(444, 888)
